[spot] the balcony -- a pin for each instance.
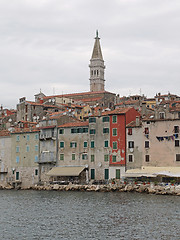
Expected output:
(47, 157)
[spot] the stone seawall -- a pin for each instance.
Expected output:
(140, 188)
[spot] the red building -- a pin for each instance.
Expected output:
(119, 118)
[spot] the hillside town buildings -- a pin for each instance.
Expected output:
(89, 136)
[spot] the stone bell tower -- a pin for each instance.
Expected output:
(97, 67)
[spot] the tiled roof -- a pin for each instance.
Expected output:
(75, 94)
(133, 124)
(91, 99)
(74, 124)
(4, 133)
(128, 102)
(25, 130)
(40, 104)
(48, 127)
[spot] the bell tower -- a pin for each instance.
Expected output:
(97, 67)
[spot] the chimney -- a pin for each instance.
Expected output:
(143, 108)
(137, 121)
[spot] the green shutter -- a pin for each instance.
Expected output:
(92, 158)
(106, 143)
(106, 158)
(117, 173)
(114, 119)
(106, 174)
(114, 158)
(92, 173)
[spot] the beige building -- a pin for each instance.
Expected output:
(153, 147)
(25, 155)
(85, 144)
(5, 157)
(47, 151)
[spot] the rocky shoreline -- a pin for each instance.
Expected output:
(140, 188)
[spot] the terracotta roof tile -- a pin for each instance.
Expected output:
(74, 124)
(4, 133)
(75, 94)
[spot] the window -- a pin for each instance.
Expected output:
(84, 156)
(178, 157)
(114, 119)
(146, 130)
(85, 144)
(114, 133)
(27, 137)
(73, 156)
(61, 145)
(73, 144)
(106, 158)
(36, 172)
(17, 138)
(176, 143)
(73, 130)
(92, 120)
(146, 144)
(92, 131)
(130, 158)
(92, 144)
(162, 115)
(117, 173)
(61, 131)
(106, 174)
(27, 148)
(36, 158)
(92, 173)
(92, 158)
(114, 145)
(146, 158)
(105, 130)
(17, 149)
(131, 144)
(62, 157)
(17, 159)
(129, 131)
(105, 119)
(176, 129)
(85, 130)
(79, 130)
(17, 176)
(36, 136)
(113, 158)
(36, 148)
(106, 143)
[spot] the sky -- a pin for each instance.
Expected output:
(47, 44)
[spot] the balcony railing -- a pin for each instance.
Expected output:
(47, 157)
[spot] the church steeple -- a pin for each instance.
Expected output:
(97, 67)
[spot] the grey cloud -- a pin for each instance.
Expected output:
(47, 44)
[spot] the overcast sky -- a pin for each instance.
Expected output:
(47, 45)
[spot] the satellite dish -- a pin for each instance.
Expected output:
(100, 164)
(10, 120)
(37, 117)
(86, 166)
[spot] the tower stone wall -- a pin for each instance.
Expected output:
(97, 67)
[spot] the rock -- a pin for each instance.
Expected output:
(56, 187)
(97, 188)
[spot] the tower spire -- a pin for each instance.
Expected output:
(97, 67)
